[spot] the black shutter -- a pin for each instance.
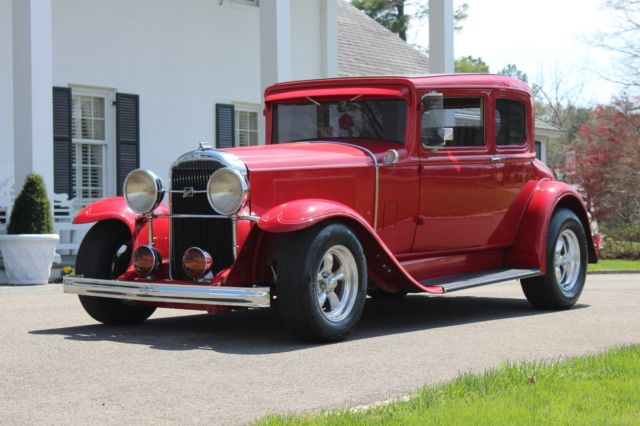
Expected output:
(225, 126)
(62, 179)
(127, 136)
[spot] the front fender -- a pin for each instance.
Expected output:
(530, 245)
(383, 266)
(106, 209)
(116, 208)
(301, 214)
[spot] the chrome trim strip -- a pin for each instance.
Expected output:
(206, 216)
(226, 158)
(377, 177)
(181, 191)
(251, 297)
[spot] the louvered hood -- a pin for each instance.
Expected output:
(301, 155)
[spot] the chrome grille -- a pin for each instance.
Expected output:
(212, 235)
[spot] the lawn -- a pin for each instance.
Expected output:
(597, 389)
(615, 264)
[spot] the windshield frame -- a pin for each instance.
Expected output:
(272, 125)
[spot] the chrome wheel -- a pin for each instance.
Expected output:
(337, 283)
(567, 261)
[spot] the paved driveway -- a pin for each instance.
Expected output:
(58, 366)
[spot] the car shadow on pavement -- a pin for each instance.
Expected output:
(262, 332)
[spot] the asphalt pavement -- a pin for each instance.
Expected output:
(60, 367)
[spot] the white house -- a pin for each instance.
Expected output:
(90, 90)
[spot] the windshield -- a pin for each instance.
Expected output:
(383, 119)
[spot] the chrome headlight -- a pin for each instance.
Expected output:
(227, 191)
(143, 191)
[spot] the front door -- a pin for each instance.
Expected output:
(458, 209)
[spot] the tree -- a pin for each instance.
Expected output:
(624, 41)
(605, 162)
(469, 64)
(393, 14)
(512, 71)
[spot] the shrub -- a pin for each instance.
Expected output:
(31, 211)
(622, 242)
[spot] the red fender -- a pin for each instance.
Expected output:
(530, 245)
(116, 208)
(383, 266)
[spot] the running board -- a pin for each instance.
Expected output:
(476, 279)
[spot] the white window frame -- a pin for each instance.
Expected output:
(245, 107)
(109, 152)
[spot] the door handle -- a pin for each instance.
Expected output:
(495, 158)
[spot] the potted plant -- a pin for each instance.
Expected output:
(29, 247)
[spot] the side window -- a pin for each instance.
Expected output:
(452, 122)
(510, 122)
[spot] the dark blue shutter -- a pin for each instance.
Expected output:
(127, 136)
(62, 179)
(225, 126)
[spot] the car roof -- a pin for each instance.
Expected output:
(489, 81)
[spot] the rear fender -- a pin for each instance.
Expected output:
(116, 208)
(383, 267)
(530, 245)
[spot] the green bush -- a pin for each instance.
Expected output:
(31, 211)
(622, 242)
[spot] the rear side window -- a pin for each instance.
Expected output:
(510, 122)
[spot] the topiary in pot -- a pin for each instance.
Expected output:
(31, 211)
(29, 247)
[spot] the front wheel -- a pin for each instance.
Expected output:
(561, 285)
(322, 283)
(105, 253)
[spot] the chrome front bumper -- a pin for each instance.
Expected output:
(250, 297)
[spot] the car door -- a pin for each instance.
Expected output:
(457, 208)
(513, 160)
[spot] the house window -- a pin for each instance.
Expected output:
(88, 128)
(246, 125)
(539, 150)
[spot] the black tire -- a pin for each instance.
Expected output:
(546, 291)
(378, 293)
(105, 253)
(299, 284)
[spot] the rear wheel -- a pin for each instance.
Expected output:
(105, 253)
(561, 285)
(321, 283)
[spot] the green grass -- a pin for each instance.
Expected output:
(615, 264)
(595, 390)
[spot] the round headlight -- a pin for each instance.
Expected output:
(143, 191)
(227, 191)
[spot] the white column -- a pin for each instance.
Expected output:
(330, 38)
(441, 36)
(275, 41)
(32, 84)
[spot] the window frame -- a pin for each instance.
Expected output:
(527, 146)
(495, 116)
(245, 107)
(109, 145)
(454, 151)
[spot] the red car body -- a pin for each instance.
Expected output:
(424, 215)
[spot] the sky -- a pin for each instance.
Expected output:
(547, 39)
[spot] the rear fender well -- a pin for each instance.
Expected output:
(530, 244)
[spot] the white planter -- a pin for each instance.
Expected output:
(28, 257)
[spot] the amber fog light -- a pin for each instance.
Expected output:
(196, 263)
(146, 260)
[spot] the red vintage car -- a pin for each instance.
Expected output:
(381, 186)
